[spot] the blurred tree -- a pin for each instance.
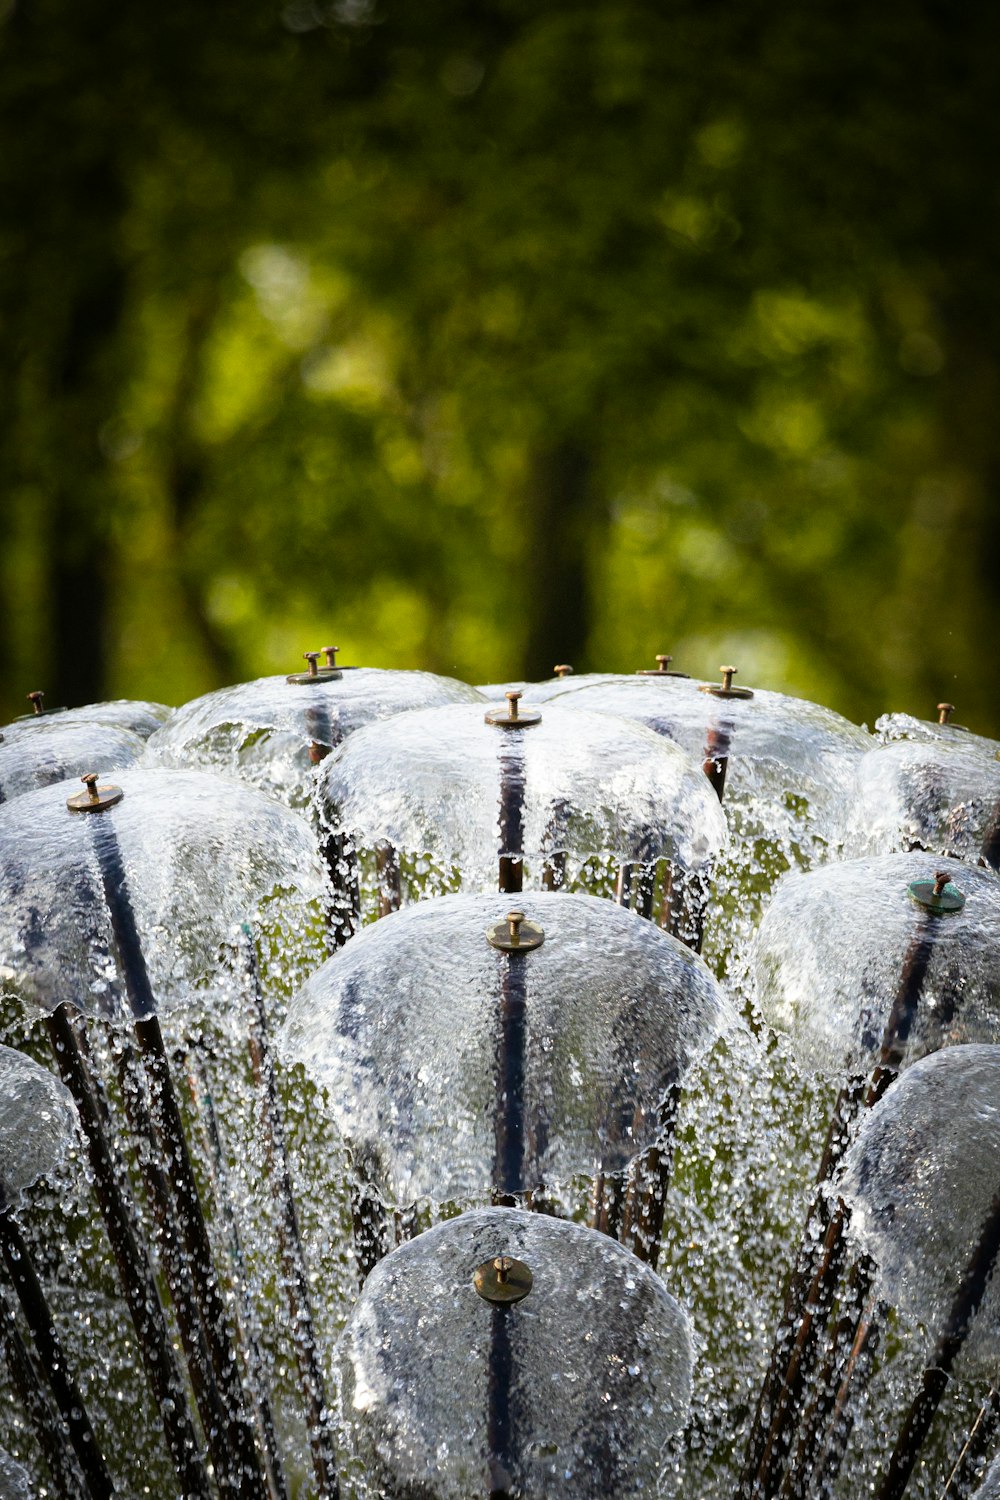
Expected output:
(493, 335)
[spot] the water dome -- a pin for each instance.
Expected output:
(132, 714)
(453, 1067)
(927, 794)
(200, 855)
(59, 747)
(574, 1391)
(846, 952)
(445, 785)
(775, 753)
(273, 732)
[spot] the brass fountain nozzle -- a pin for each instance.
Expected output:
(37, 701)
(725, 689)
(945, 711)
(515, 717)
(95, 798)
(662, 668)
(515, 934)
(503, 1279)
(563, 670)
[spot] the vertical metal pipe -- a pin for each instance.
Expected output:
(214, 1152)
(304, 1339)
(176, 1268)
(965, 1473)
(341, 860)
(648, 1192)
(68, 1397)
(48, 1429)
(511, 874)
(170, 1129)
(499, 1417)
(512, 1041)
(390, 890)
(800, 1331)
(715, 758)
(135, 1271)
(918, 1420)
(808, 1449)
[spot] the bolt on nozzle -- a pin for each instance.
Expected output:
(90, 782)
(663, 662)
(514, 920)
(37, 701)
(513, 698)
(728, 673)
(945, 711)
(330, 652)
(941, 878)
(312, 657)
(563, 670)
(502, 1266)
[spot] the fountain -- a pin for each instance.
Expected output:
(405, 1144)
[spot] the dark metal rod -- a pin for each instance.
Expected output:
(170, 1129)
(511, 872)
(341, 859)
(190, 1321)
(856, 1305)
(499, 1418)
(68, 1397)
(623, 889)
(304, 1339)
(135, 1271)
(370, 1226)
(858, 1364)
(799, 1332)
(715, 762)
(965, 1472)
(647, 1195)
(202, 1101)
(49, 1431)
(817, 1221)
(963, 1310)
(509, 1128)
(390, 889)
(683, 904)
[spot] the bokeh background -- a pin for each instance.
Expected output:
(480, 335)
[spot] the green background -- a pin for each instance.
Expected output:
(482, 336)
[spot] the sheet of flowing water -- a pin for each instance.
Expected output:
(542, 692)
(990, 1487)
(831, 951)
(789, 760)
(57, 750)
(599, 1358)
(403, 1029)
(131, 714)
(201, 855)
(921, 1179)
(592, 785)
(271, 732)
(935, 794)
(892, 727)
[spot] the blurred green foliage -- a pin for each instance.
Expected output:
(481, 336)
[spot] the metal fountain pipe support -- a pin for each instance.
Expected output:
(68, 1398)
(248, 1478)
(304, 1339)
(135, 1271)
(28, 1381)
(511, 874)
(214, 1154)
(814, 1279)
